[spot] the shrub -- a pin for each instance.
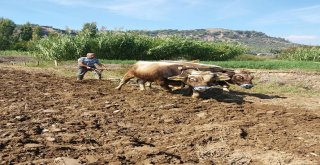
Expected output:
(60, 47)
(303, 53)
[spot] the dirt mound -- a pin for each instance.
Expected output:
(12, 59)
(44, 118)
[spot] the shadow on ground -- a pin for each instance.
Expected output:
(228, 97)
(258, 95)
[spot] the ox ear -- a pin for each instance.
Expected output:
(178, 78)
(238, 71)
(242, 71)
(223, 77)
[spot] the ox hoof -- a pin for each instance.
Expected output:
(167, 90)
(225, 89)
(195, 95)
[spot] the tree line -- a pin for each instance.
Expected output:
(106, 44)
(13, 37)
(22, 37)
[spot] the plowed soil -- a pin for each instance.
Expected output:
(43, 117)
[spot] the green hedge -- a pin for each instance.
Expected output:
(131, 46)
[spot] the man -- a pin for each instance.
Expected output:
(88, 64)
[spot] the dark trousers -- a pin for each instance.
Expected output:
(83, 70)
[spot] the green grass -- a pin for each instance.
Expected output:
(14, 53)
(269, 64)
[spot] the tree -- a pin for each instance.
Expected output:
(7, 27)
(68, 30)
(26, 32)
(36, 33)
(90, 28)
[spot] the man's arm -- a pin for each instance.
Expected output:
(99, 64)
(102, 66)
(80, 63)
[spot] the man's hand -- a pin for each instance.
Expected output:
(88, 67)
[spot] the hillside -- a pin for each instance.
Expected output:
(46, 30)
(257, 42)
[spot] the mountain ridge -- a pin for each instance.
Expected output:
(256, 42)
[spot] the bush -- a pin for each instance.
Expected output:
(60, 47)
(22, 46)
(304, 53)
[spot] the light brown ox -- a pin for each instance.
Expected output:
(166, 73)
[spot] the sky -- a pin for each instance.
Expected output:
(295, 20)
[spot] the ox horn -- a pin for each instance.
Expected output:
(178, 78)
(223, 77)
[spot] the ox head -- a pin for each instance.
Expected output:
(200, 80)
(242, 78)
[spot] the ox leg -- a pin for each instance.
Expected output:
(141, 84)
(189, 91)
(149, 84)
(225, 86)
(192, 92)
(164, 85)
(125, 79)
(195, 94)
(176, 85)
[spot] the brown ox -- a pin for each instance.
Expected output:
(167, 73)
(238, 77)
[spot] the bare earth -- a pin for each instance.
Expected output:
(43, 117)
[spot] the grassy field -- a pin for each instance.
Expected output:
(242, 61)
(269, 64)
